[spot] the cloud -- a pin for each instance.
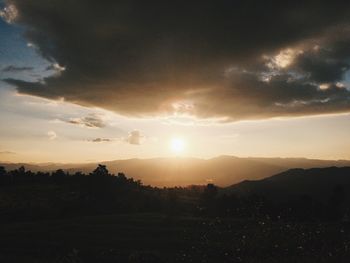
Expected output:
(226, 60)
(16, 69)
(9, 13)
(101, 140)
(52, 135)
(90, 121)
(135, 137)
(6, 153)
(57, 68)
(249, 97)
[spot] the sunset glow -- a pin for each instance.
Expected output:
(121, 84)
(174, 131)
(177, 145)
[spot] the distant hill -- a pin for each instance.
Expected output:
(318, 183)
(222, 171)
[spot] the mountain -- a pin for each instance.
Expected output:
(318, 183)
(222, 171)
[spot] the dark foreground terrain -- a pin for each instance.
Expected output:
(159, 238)
(102, 217)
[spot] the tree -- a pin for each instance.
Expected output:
(101, 170)
(21, 170)
(210, 192)
(78, 174)
(2, 171)
(208, 198)
(59, 174)
(3, 175)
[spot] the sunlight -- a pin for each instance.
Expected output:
(177, 145)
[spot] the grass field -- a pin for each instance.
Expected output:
(159, 238)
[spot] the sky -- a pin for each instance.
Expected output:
(88, 81)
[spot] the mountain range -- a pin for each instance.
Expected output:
(318, 183)
(222, 171)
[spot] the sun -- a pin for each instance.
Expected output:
(177, 145)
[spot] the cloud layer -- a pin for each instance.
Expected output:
(90, 121)
(134, 137)
(226, 59)
(12, 68)
(100, 140)
(6, 153)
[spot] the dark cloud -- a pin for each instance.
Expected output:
(226, 59)
(280, 96)
(90, 121)
(327, 60)
(16, 69)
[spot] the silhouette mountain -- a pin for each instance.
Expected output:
(318, 183)
(222, 171)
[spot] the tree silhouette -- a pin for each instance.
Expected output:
(21, 170)
(2, 171)
(59, 173)
(101, 170)
(3, 176)
(208, 200)
(210, 192)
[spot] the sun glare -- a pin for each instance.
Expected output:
(177, 145)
